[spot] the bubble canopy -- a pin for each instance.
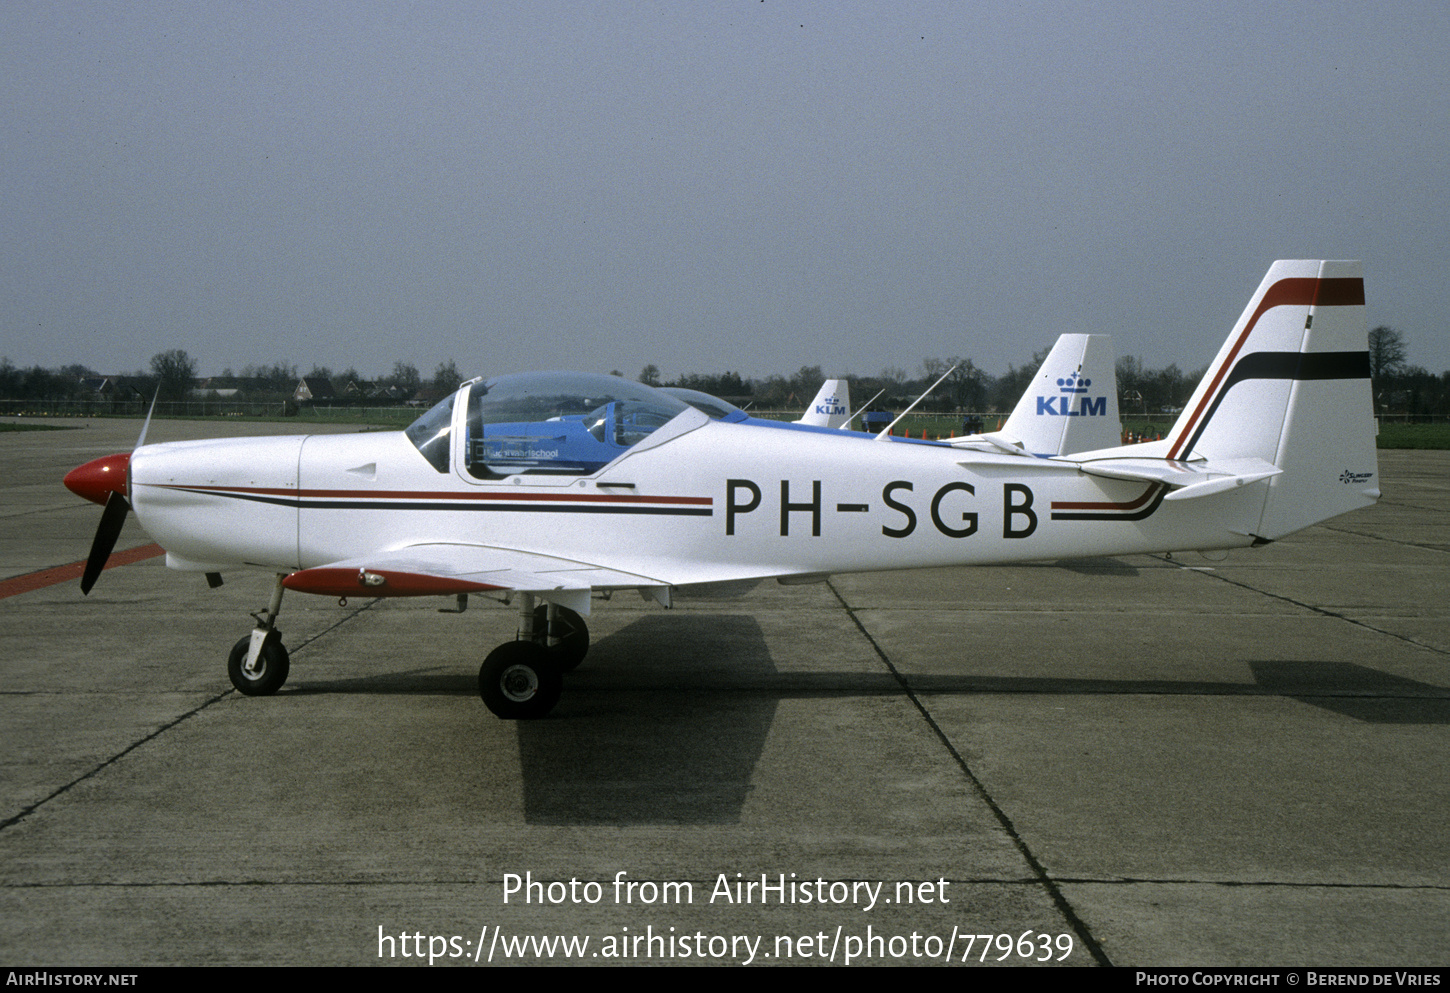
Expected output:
(570, 423)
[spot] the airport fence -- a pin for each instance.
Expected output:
(1394, 430)
(259, 410)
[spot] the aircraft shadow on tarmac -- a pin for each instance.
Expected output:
(663, 724)
(665, 721)
(1092, 567)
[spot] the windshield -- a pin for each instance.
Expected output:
(430, 432)
(558, 422)
(712, 405)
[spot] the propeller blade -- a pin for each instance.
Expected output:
(112, 519)
(147, 425)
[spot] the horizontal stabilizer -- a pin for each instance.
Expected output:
(1186, 479)
(1004, 443)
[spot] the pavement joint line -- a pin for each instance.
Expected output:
(703, 882)
(1409, 506)
(1048, 884)
(1325, 612)
(328, 630)
(1024, 881)
(1265, 884)
(43, 510)
(32, 808)
(1392, 541)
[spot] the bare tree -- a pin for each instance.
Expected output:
(968, 384)
(174, 371)
(1386, 352)
(405, 377)
(447, 376)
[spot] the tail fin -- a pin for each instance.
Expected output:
(1072, 403)
(1291, 386)
(831, 407)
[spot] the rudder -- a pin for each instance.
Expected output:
(1291, 386)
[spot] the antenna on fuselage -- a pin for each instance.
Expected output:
(846, 426)
(886, 432)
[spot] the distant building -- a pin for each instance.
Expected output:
(314, 388)
(428, 395)
(109, 388)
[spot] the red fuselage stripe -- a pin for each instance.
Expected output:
(1133, 505)
(442, 495)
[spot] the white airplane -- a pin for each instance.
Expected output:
(1070, 406)
(541, 489)
(832, 406)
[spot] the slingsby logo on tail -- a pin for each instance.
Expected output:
(662, 497)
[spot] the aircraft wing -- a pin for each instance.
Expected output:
(1186, 479)
(446, 569)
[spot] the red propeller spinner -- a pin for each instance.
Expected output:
(99, 478)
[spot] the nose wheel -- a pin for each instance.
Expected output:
(267, 673)
(259, 663)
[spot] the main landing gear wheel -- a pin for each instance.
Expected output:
(519, 681)
(570, 630)
(272, 666)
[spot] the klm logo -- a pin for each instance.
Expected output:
(830, 407)
(1072, 401)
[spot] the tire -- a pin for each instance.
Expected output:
(573, 637)
(273, 664)
(519, 681)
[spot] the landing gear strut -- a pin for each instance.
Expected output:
(562, 633)
(259, 663)
(523, 679)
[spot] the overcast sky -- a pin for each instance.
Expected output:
(707, 185)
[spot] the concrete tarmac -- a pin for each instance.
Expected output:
(1149, 761)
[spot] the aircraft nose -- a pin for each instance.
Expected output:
(99, 478)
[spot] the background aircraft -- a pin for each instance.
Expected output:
(831, 407)
(543, 488)
(1070, 406)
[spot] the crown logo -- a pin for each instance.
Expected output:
(1074, 384)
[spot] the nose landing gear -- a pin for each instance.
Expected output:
(259, 663)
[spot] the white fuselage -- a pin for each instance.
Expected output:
(699, 501)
